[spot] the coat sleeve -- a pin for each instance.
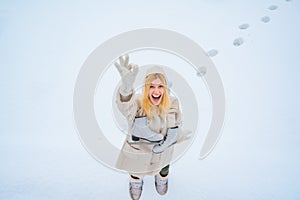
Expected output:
(174, 114)
(128, 108)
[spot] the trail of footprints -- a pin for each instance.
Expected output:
(201, 71)
(265, 19)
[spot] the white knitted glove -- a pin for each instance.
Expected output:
(128, 74)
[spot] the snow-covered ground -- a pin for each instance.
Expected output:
(254, 45)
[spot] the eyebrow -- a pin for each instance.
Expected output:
(151, 84)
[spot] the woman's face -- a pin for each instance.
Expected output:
(156, 91)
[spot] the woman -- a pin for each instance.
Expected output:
(153, 123)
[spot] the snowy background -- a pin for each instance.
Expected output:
(43, 45)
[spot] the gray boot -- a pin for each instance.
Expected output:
(135, 188)
(171, 139)
(141, 130)
(161, 184)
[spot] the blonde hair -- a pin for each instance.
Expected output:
(164, 105)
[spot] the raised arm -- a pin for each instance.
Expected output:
(128, 74)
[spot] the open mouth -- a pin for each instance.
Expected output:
(156, 99)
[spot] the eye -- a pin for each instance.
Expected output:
(151, 86)
(160, 86)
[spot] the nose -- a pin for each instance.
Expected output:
(156, 90)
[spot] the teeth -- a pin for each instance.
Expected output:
(156, 96)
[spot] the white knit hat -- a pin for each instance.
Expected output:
(156, 69)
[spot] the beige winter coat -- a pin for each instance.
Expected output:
(138, 158)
